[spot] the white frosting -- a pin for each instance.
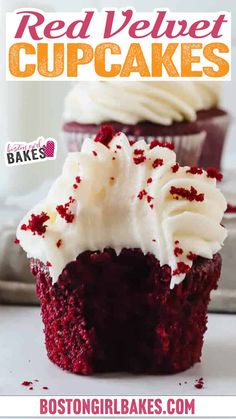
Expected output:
(131, 102)
(108, 212)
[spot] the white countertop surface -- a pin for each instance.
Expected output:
(23, 357)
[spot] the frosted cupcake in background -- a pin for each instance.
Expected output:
(124, 249)
(186, 113)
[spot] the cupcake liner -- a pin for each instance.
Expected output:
(111, 312)
(197, 143)
(188, 148)
(216, 130)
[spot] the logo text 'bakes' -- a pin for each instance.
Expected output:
(17, 153)
(118, 44)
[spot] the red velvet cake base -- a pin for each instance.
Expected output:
(118, 313)
(214, 122)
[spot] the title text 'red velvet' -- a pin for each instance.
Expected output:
(118, 44)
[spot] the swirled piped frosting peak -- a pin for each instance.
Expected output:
(114, 194)
(132, 102)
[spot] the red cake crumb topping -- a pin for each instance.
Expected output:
(182, 268)
(195, 170)
(191, 195)
(112, 178)
(154, 240)
(214, 173)
(64, 212)
(26, 383)
(95, 153)
(157, 163)
(149, 180)
(105, 135)
(141, 194)
(175, 168)
(58, 243)
(48, 264)
(75, 186)
(178, 251)
(131, 142)
(78, 179)
(138, 151)
(36, 223)
(199, 383)
(31, 388)
(191, 256)
(176, 241)
(17, 241)
(139, 159)
(156, 143)
(230, 208)
(113, 158)
(149, 198)
(45, 388)
(118, 147)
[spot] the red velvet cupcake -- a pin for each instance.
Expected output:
(185, 113)
(125, 253)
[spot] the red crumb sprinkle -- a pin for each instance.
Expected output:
(157, 163)
(194, 170)
(105, 135)
(95, 153)
(141, 194)
(26, 383)
(230, 208)
(45, 388)
(191, 195)
(131, 142)
(17, 241)
(64, 212)
(191, 256)
(75, 186)
(48, 264)
(139, 159)
(78, 179)
(149, 198)
(214, 173)
(118, 147)
(156, 143)
(176, 241)
(149, 180)
(151, 206)
(182, 268)
(138, 151)
(58, 243)
(178, 251)
(199, 383)
(31, 388)
(154, 240)
(113, 158)
(112, 178)
(175, 168)
(36, 223)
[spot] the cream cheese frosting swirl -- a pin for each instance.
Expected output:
(126, 196)
(132, 102)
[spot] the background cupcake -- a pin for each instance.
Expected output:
(186, 113)
(124, 249)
